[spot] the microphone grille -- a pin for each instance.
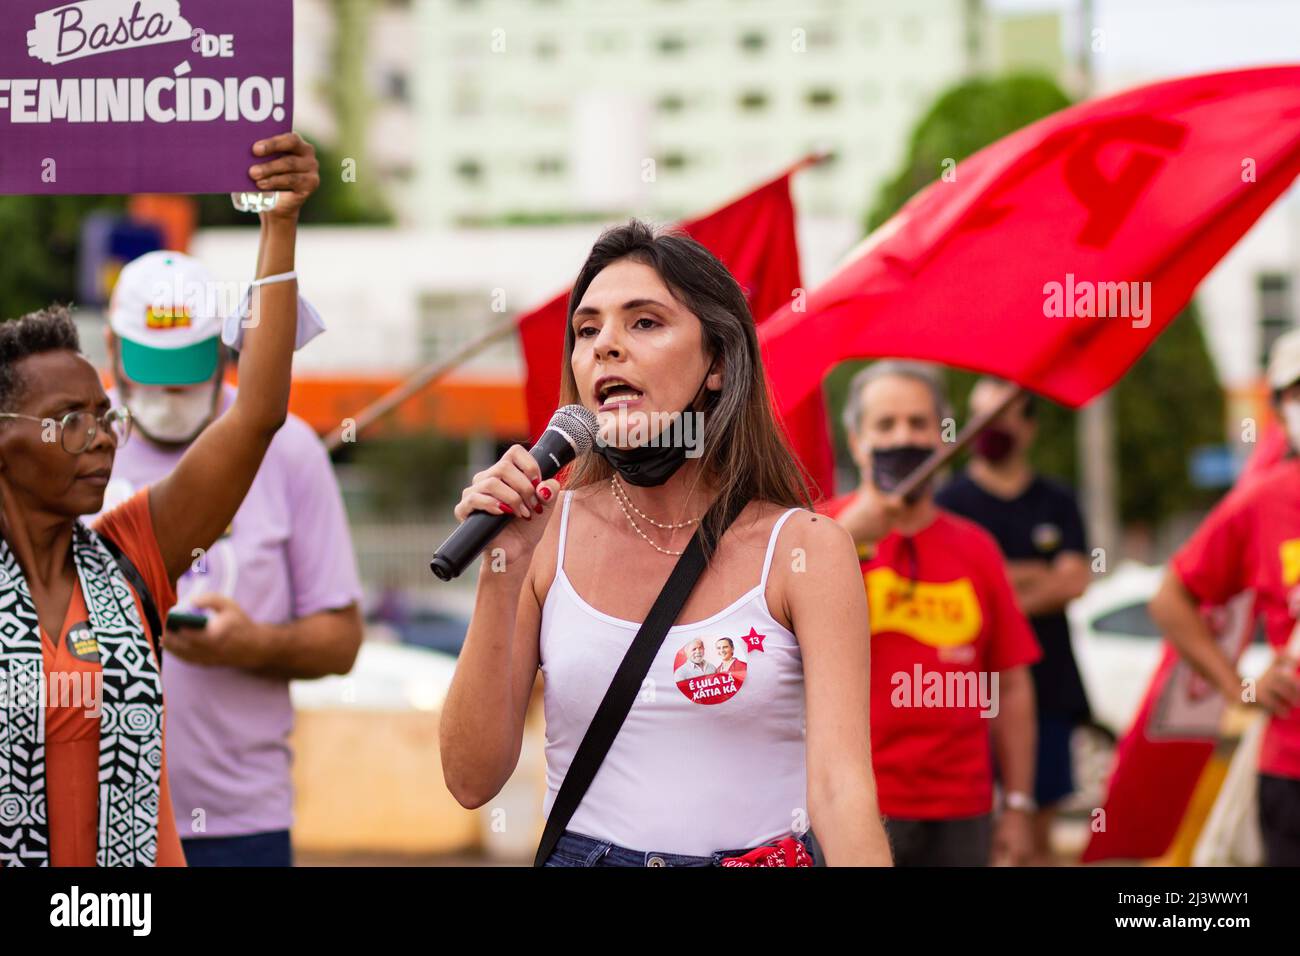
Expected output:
(579, 424)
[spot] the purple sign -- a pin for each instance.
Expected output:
(125, 96)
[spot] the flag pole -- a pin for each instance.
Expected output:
(948, 451)
(432, 372)
(425, 377)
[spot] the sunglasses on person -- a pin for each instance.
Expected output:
(77, 430)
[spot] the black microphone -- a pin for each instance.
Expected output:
(571, 432)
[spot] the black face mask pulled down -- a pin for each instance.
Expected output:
(889, 466)
(654, 462)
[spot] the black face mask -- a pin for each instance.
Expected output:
(650, 464)
(889, 466)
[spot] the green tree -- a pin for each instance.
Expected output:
(1166, 405)
(962, 121)
(41, 236)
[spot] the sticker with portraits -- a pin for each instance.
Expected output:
(710, 670)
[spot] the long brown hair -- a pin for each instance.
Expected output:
(744, 451)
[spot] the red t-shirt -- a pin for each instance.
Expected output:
(944, 620)
(1252, 540)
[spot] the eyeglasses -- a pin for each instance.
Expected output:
(77, 430)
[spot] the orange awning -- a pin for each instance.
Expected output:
(459, 406)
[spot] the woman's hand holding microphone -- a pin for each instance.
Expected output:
(513, 485)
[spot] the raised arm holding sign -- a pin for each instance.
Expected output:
(85, 602)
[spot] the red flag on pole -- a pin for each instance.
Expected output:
(1053, 258)
(1056, 255)
(754, 237)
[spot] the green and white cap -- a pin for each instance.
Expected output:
(165, 312)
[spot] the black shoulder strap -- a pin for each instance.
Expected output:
(136, 580)
(623, 690)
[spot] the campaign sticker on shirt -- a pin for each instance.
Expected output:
(82, 644)
(710, 670)
(1046, 536)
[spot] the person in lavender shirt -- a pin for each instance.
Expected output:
(280, 588)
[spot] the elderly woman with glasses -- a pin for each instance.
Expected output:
(82, 776)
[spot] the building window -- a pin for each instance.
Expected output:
(470, 170)
(1276, 315)
(821, 98)
(547, 48)
(548, 166)
(671, 44)
(438, 326)
(675, 161)
(753, 101)
(670, 103)
(753, 41)
(447, 319)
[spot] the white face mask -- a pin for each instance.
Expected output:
(171, 415)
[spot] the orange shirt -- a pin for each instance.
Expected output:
(72, 730)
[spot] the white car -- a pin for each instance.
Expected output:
(1118, 648)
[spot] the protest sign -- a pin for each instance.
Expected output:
(121, 96)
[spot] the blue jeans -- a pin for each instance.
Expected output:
(577, 850)
(255, 849)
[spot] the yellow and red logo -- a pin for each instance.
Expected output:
(1289, 552)
(167, 317)
(940, 615)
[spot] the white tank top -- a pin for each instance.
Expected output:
(711, 756)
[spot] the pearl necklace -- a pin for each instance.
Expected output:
(619, 495)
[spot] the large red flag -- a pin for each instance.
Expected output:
(1031, 263)
(754, 236)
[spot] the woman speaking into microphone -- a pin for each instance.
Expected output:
(710, 761)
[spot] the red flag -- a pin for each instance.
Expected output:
(754, 236)
(1020, 264)
(1150, 759)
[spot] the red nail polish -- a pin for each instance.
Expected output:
(545, 494)
(535, 481)
(539, 508)
(505, 507)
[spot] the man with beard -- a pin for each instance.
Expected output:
(942, 616)
(280, 588)
(695, 665)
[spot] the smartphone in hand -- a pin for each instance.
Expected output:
(179, 619)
